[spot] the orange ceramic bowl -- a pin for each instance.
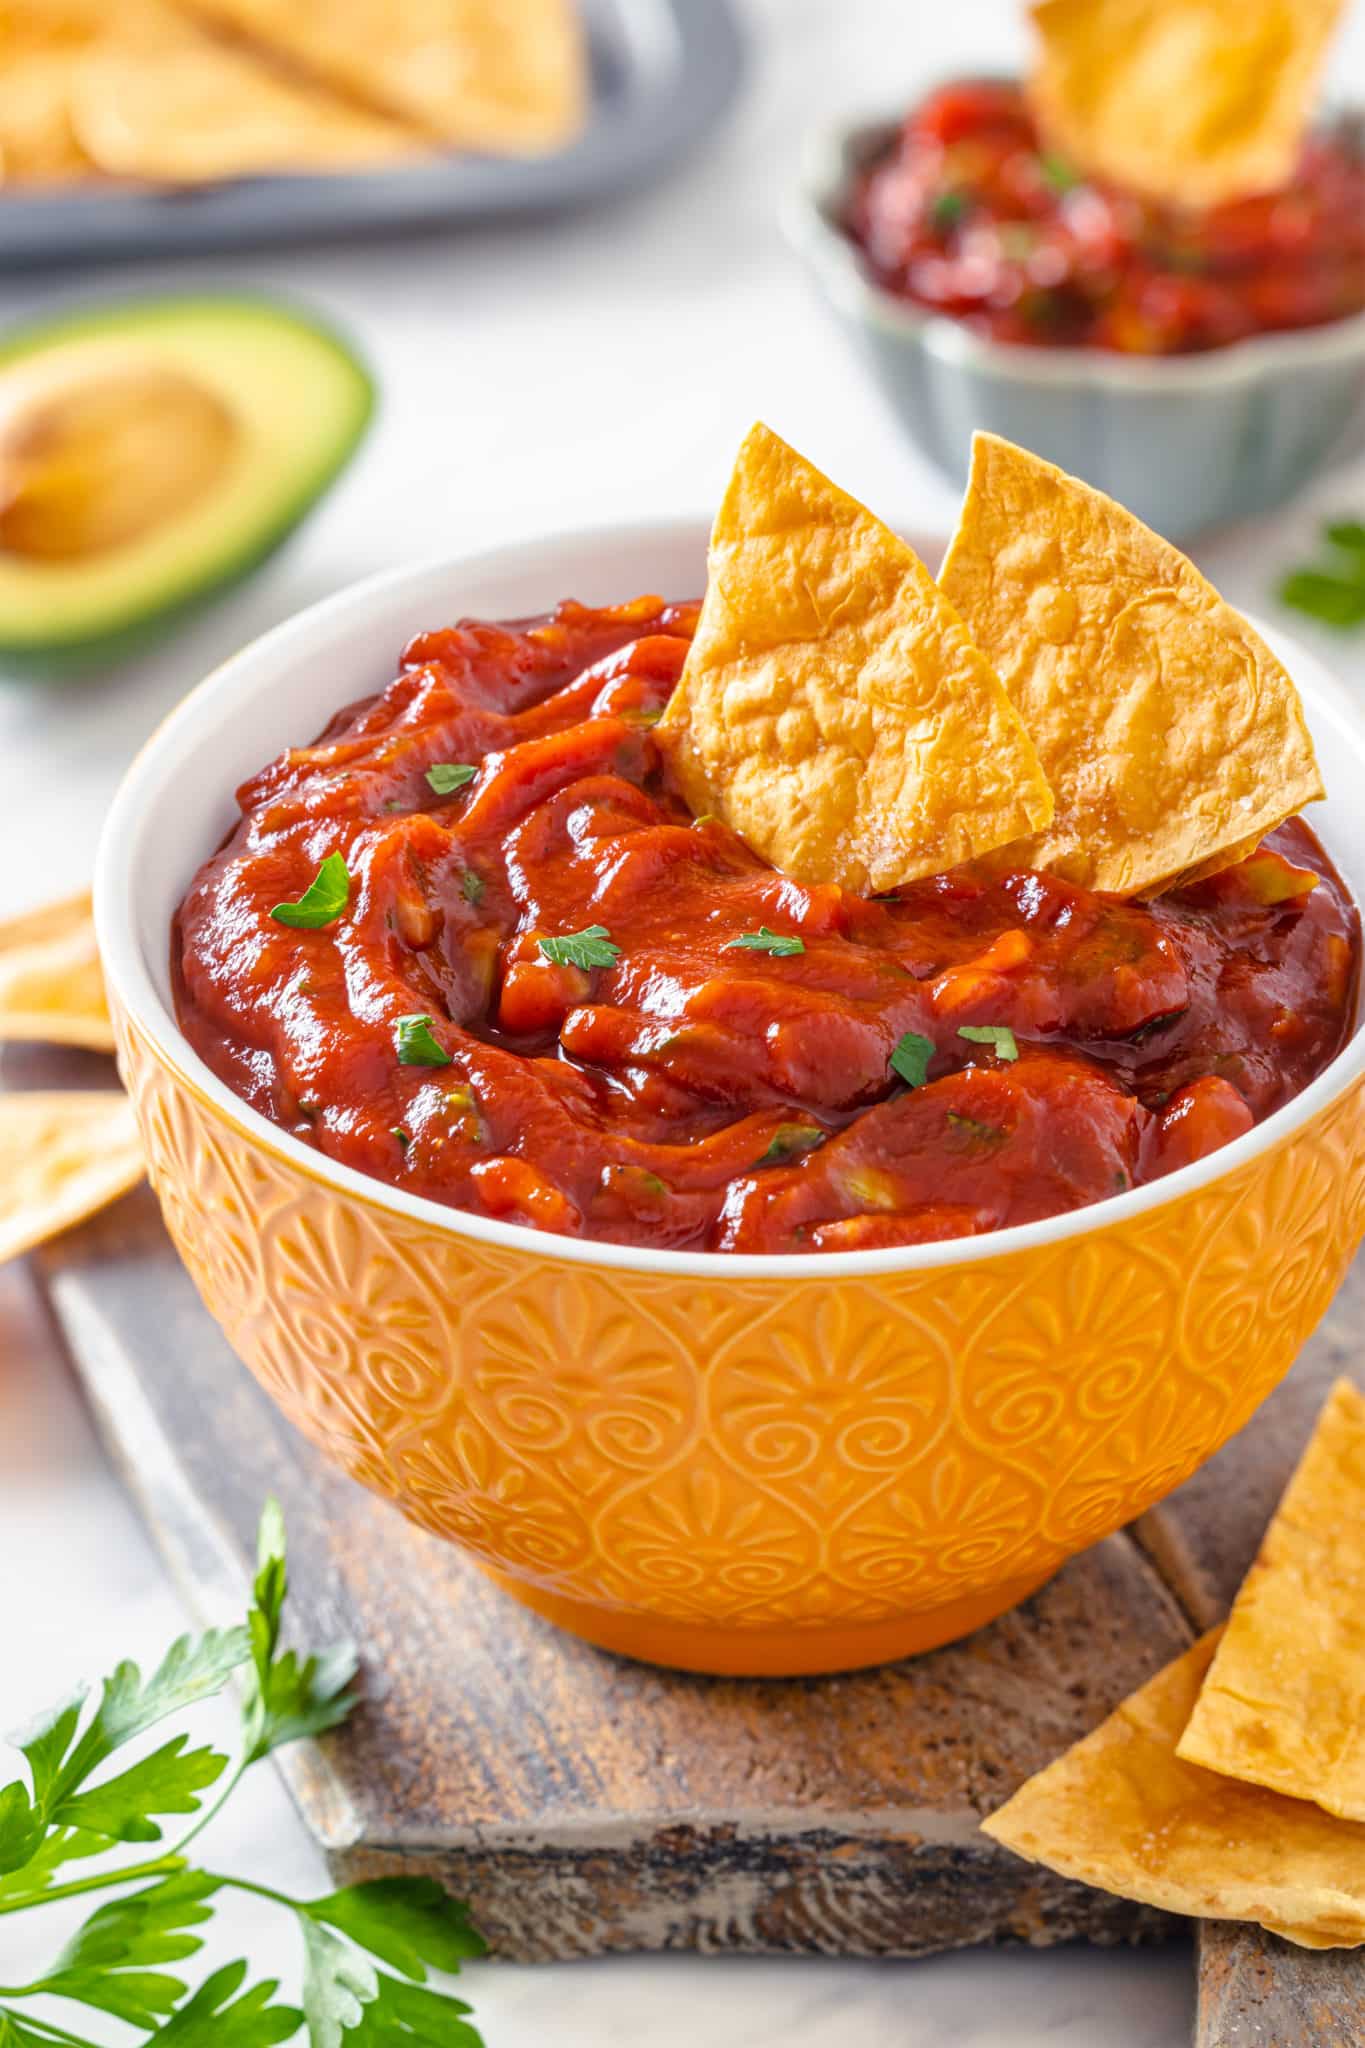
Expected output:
(731, 1464)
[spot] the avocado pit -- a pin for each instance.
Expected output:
(106, 455)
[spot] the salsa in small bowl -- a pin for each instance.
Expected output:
(1200, 366)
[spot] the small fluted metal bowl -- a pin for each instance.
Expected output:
(1185, 441)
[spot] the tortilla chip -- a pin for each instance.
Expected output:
(1284, 1702)
(1172, 737)
(51, 987)
(833, 709)
(1194, 101)
(498, 75)
(62, 1157)
(1121, 1811)
(165, 102)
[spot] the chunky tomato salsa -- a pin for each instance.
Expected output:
(472, 942)
(969, 213)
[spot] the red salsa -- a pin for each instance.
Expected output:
(539, 989)
(967, 212)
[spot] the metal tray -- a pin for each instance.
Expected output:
(663, 72)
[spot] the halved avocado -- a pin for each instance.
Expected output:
(153, 451)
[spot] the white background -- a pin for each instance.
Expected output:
(535, 376)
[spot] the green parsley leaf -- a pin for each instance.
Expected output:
(1058, 173)
(21, 1828)
(167, 1781)
(403, 1135)
(407, 1922)
(910, 1057)
(1332, 591)
(589, 948)
(471, 886)
(448, 776)
(107, 1962)
(946, 209)
(322, 902)
(215, 2018)
(789, 1139)
(337, 1986)
(403, 2014)
(193, 1669)
(997, 1035)
(416, 1046)
(17, 2033)
(26, 1882)
(781, 944)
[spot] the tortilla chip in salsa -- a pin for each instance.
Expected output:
(1195, 101)
(833, 710)
(1173, 738)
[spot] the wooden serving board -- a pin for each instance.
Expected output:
(587, 1805)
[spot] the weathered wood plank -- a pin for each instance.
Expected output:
(1256, 1991)
(584, 1803)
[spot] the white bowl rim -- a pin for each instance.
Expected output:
(806, 218)
(131, 981)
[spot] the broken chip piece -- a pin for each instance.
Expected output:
(51, 987)
(63, 1155)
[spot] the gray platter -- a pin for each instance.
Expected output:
(663, 72)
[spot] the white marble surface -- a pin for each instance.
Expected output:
(535, 376)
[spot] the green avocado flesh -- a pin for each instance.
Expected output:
(152, 452)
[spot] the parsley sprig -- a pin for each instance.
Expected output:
(1332, 590)
(592, 947)
(69, 1812)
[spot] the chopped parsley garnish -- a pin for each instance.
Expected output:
(789, 1139)
(997, 1035)
(946, 209)
(1332, 591)
(589, 948)
(910, 1058)
(416, 1046)
(1058, 173)
(322, 902)
(781, 944)
(403, 1136)
(472, 886)
(446, 777)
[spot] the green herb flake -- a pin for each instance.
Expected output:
(416, 1046)
(1058, 174)
(979, 1133)
(910, 1058)
(322, 902)
(946, 209)
(789, 1139)
(1333, 590)
(472, 886)
(403, 1136)
(998, 1036)
(445, 777)
(782, 945)
(589, 948)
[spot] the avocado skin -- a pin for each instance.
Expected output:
(58, 657)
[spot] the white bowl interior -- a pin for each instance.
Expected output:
(176, 804)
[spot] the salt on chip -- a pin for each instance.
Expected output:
(62, 1157)
(1172, 737)
(497, 75)
(51, 986)
(833, 709)
(1284, 1702)
(1122, 1811)
(1192, 101)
